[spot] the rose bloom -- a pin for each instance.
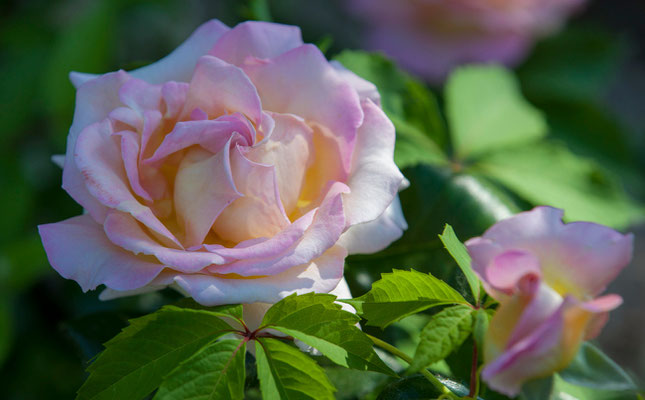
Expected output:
(241, 168)
(547, 277)
(431, 37)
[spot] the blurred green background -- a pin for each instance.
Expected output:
(589, 79)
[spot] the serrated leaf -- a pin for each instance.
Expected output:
(445, 332)
(459, 252)
(486, 111)
(135, 361)
(550, 174)
(215, 372)
(402, 293)
(285, 372)
(235, 311)
(319, 322)
(592, 368)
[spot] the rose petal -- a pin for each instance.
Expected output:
(321, 276)
(580, 258)
(374, 179)
(256, 39)
(364, 88)
(370, 237)
(125, 232)
(179, 65)
(290, 150)
(204, 187)
(302, 82)
(212, 135)
(219, 88)
(99, 261)
(259, 212)
(94, 101)
(323, 233)
(101, 166)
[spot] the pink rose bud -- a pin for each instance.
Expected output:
(241, 168)
(431, 37)
(548, 277)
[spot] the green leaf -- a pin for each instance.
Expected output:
(319, 322)
(445, 332)
(487, 112)
(537, 389)
(135, 361)
(481, 319)
(459, 252)
(401, 293)
(234, 311)
(285, 372)
(592, 368)
(420, 130)
(215, 372)
(563, 390)
(548, 173)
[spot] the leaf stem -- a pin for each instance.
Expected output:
(433, 379)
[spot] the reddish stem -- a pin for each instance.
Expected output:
(473, 372)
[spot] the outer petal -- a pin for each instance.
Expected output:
(302, 82)
(94, 101)
(176, 66)
(365, 89)
(219, 88)
(321, 275)
(257, 40)
(78, 249)
(124, 231)
(374, 179)
(179, 65)
(536, 356)
(580, 258)
(373, 236)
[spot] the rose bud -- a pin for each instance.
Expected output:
(548, 278)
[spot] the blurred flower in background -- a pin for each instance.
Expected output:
(431, 37)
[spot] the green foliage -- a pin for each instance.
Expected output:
(594, 369)
(549, 173)
(213, 373)
(445, 332)
(486, 111)
(481, 319)
(319, 322)
(459, 252)
(285, 372)
(135, 361)
(402, 293)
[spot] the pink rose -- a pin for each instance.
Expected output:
(241, 168)
(547, 277)
(431, 37)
